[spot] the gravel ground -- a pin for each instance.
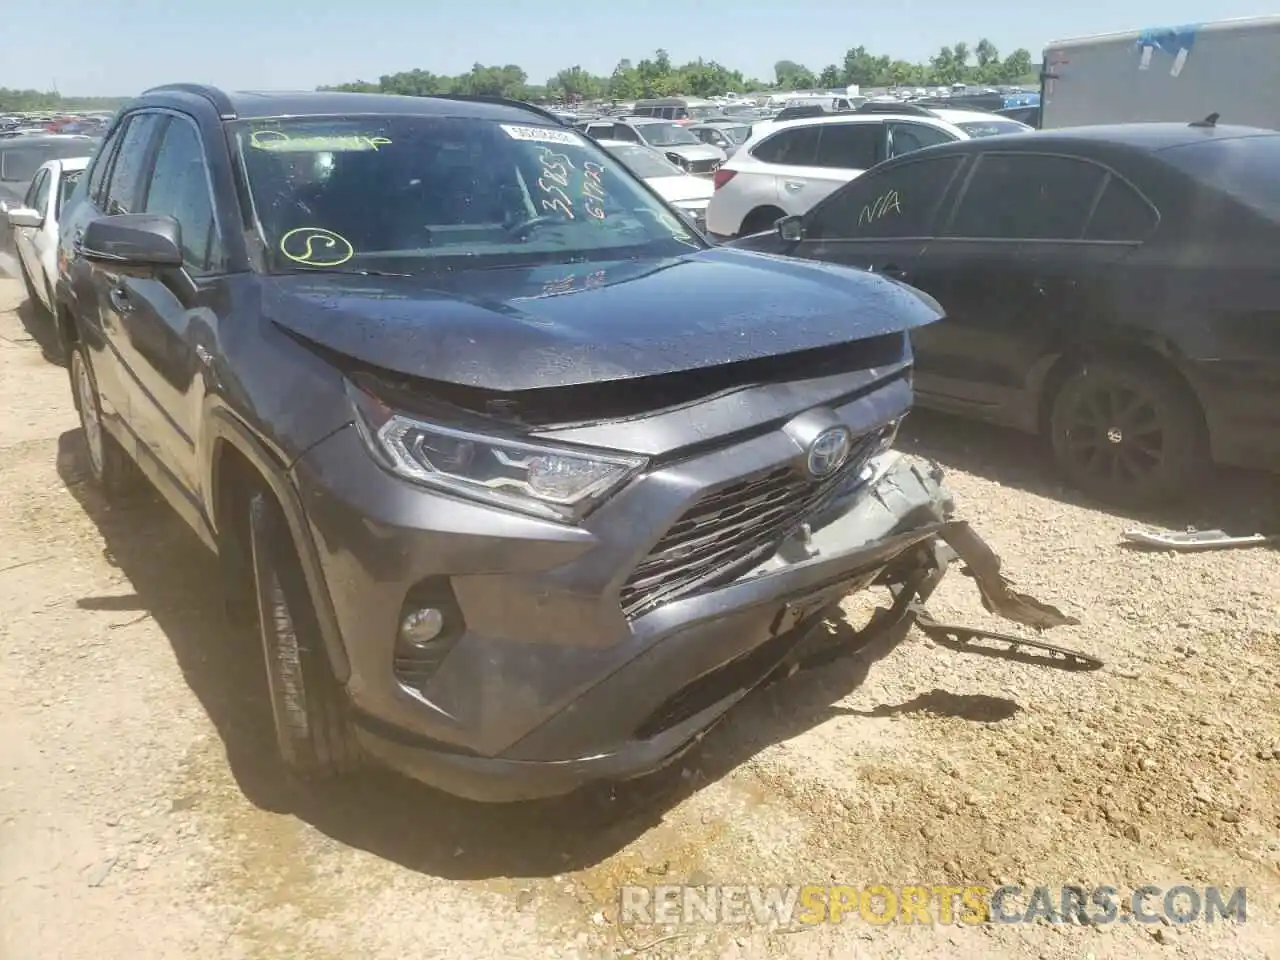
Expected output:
(142, 815)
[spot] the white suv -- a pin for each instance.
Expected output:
(785, 168)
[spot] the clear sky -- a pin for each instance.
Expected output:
(118, 47)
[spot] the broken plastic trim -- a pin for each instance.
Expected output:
(955, 539)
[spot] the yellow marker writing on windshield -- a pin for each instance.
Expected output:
(316, 247)
(279, 140)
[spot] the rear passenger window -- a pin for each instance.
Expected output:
(1027, 196)
(795, 147)
(1121, 214)
(126, 173)
(850, 146)
(179, 188)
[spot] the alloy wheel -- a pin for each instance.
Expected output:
(1116, 434)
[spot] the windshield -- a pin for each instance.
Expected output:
(19, 163)
(991, 128)
(643, 162)
(1241, 167)
(665, 134)
(702, 113)
(401, 194)
(66, 187)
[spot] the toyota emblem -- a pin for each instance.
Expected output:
(828, 452)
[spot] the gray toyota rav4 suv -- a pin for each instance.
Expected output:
(523, 483)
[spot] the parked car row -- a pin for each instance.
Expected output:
(784, 168)
(519, 484)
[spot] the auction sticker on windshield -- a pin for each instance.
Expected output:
(541, 134)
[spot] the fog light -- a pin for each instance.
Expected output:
(420, 627)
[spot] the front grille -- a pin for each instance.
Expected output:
(731, 529)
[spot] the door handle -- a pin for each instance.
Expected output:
(793, 185)
(120, 300)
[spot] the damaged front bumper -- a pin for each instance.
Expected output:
(895, 530)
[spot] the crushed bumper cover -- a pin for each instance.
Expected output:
(896, 531)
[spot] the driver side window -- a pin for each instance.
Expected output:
(900, 202)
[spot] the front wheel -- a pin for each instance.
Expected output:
(1128, 433)
(309, 706)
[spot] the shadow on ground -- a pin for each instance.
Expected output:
(39, 326)
(175, 579)
(1237, 501)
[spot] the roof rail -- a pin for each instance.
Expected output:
(902, 109)
(502, 101)
(221, 102)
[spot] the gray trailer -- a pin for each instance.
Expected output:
(1183, 73)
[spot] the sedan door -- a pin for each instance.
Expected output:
(884, 220)
(24, 238)
(1015, 272)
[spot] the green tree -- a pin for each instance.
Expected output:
(946, 67)
(1017, 67)
(26, 101)
(793, 76)
(657, 76)
(624, 84)
(574, 83)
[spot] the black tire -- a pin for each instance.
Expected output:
(109, 466)
(1128, 433)
(309, 707)
(759, 220)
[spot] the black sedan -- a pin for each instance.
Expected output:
(1112, 287)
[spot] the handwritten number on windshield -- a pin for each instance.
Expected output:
(593, 189)
(555, 177)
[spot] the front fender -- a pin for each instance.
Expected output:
(224, 427)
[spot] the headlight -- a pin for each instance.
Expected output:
(558, 483)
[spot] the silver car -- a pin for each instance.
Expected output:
(672, 140)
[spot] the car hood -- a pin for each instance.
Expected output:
(683, 187)
(557, 326)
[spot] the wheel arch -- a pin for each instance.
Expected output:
(758, 214)
(238, 465)
(1143, 348)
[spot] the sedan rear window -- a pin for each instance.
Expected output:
(1241, 167)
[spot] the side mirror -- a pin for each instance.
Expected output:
(141, 240)
(24, 217)
(791, 229)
